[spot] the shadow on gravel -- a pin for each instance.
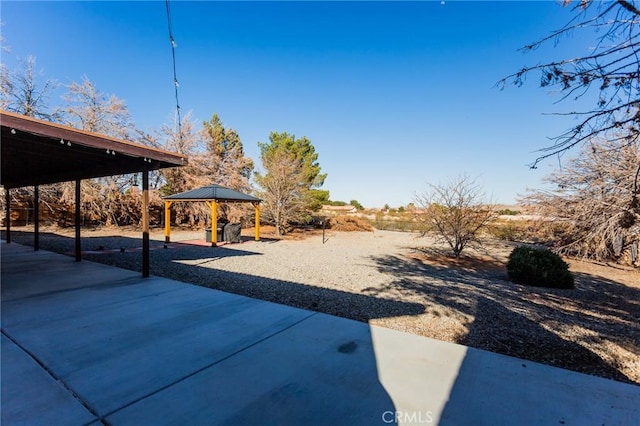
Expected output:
(512, 336)
(519, 321)
(166, 263)
(198, 355)
(105, 245)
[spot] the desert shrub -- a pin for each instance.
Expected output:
(538, 267)
(507, 231)
(456, 213)
(508, 212)
(349, 224)
(396, 225)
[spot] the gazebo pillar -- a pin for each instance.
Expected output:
(214, 223)
(257, 220)
(167, 221)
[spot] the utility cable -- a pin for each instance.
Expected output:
(175, 74)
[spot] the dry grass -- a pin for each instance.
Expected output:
(593, 329)
(349, 224)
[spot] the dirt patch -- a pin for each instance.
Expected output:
(592, 329)
(622, 274)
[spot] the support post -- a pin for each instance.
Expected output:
(7, 195)
(145, 224)
(257, 220)
(214, 223)
(167, 221)
(36, 219)
(324, 226)
(77, 222)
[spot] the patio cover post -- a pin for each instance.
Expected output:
(77, 222)
(7, 219)
(36, 219)
(214, 223)
(145, 223)
(167, 221)
(257, 220)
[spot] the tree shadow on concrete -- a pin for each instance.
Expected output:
(523, 321)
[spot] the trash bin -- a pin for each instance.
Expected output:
(220, 233)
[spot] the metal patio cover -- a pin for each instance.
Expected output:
(37, 152)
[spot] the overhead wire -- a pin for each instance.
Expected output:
(176, 84)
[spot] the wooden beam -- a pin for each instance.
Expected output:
(77, 222)
(145, 224)
(167, 221)
(257, 220)
(36, 219)
(214, 223)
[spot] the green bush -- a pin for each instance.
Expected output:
(538, 267)
(508, 212)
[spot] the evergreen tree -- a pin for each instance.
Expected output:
(292, 176)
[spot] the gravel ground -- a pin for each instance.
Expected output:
(399, 281)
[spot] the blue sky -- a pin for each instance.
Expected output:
(393, 95)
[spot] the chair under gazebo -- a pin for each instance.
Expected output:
(212, 195)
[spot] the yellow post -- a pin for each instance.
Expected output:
(257, 227)
(214, 223)
(167, 221)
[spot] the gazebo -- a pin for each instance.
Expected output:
(212, 195)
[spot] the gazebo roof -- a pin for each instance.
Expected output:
(214, 192)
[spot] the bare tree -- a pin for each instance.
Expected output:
(89, 109)
(595, 200)
(455, 212)
(186, 140)
(224, 163)
(22, 92)
(611, 70)
(283, 188)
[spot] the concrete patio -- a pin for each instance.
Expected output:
(84, 343)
